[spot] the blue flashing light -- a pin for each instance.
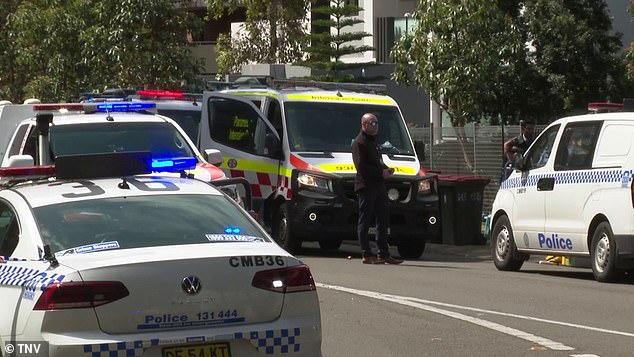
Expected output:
(233, 230)
(174, 164)
(124, 107)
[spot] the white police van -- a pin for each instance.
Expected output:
(571, 194)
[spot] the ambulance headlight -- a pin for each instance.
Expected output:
(307, 180)
(424, 186)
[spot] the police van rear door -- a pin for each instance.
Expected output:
(250, 144)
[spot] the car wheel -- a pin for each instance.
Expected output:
(604, 254)
(411, 248)
(331, 244)
(504, 252)
(282, 231)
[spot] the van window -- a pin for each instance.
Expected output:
(332, 127)
(576, 147)
(236, 124)
(539, 152)
(18, 140)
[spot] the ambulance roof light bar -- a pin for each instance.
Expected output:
(353, 87)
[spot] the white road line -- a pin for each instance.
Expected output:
(484, 323)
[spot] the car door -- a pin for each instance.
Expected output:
(530, 186)
(575, 181)
(250, 143)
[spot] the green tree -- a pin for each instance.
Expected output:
(8, 76)
(460, 53)
(64, 46)
(274, 32)
(327, 47)
(572, 55)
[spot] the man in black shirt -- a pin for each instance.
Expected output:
(369, 185)
(517, 145)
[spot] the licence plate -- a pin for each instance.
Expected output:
(372, 231)
(220, 349)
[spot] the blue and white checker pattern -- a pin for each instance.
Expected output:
(571, 177)
(120, 349)
(274, 341)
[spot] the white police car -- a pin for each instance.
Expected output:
(572, 195)
(144, 266)
(105, 128)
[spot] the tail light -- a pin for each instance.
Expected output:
(285, 280)
(63, 296)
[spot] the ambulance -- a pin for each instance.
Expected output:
(292, 142)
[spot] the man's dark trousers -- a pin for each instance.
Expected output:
(373, 203)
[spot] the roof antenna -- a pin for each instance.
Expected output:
(50, 257)
(123, 184)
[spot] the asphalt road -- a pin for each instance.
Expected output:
(454, 302)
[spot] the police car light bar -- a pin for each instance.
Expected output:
(174, 164)
(124, 107)
(11, 175)
(160, 94)
(58, 107)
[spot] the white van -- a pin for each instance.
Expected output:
(294, 146)
(572, 195)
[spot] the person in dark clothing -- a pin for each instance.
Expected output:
(518, 144)
(369, 184)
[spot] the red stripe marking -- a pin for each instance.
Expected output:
(214, 172)
(263, 179)
(236, 173)
(255, 191)
(303, 165)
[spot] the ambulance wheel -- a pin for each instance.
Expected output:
(282, 231)
(411, 248)
(504, 252)
(331, 244)
(604, 254)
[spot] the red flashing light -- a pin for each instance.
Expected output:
(604, 107)
(161, 94)
(29, 171)
(52, 107)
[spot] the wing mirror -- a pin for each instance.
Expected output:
(213, 156)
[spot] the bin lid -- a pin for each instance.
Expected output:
(449, 180)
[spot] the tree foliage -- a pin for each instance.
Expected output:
(327, 47)
(275, 31)
(460, 51)
(60, 47)
(509, 59)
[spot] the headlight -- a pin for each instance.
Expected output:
(424, 186)
(314, 181)
(392, 194)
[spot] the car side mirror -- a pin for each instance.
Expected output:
(21, 161)
(213, 156)
(419, 147)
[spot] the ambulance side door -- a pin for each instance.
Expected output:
(250, 144)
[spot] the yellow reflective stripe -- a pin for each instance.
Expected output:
(247, 165)
(319, 97)
(404, 170)
(255, 94)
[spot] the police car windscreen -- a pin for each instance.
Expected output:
(160, 138)
(143, 221)
(189, 120)
(331, 127)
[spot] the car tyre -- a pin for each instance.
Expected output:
(411, 248)
(282, 231)
(330, 244)
(503, 251)
(603, 254)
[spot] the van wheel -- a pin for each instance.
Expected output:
(504, 252)
(330, 244)
(282, 231)
(604, 254)
(411, 248)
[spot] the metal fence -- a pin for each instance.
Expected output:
(469, 151)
